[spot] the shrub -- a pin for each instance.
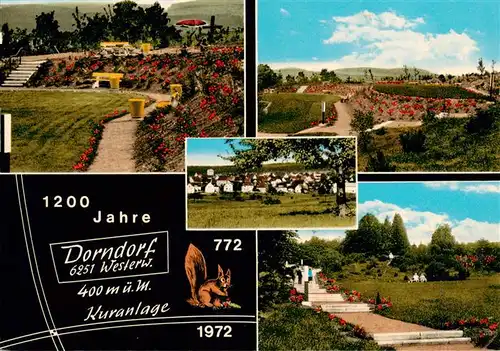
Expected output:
(379, 163)
(412, 141)
(271, 201)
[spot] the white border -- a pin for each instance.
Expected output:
(110, 237)
(278, 228)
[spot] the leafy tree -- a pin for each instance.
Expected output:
(442, 78)
(127, 21)
(485, 121)
(301, 77)
(361, 122)
(156, 26)
(442, 241)
(416, 73)
(336, 155)
(275, 249)
(290, 79)
(46, 34)
(480, 66)
(368, 239)
(399, 238)
(406, 71)
(267, 77)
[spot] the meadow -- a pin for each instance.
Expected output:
(427, 91)
(434, 303)
(448, 147)
(293, 328)
(51, 129)
(295, 211)
(291, 112)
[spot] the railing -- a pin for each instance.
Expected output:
(11, 63)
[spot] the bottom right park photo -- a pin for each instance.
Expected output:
(421, 272)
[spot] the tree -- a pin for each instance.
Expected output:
(406, 72)
(368, 239)
(46, 34)
(480, 66)
(379, 163)
(275, 249)
(371, 75)
(156, 26)
(442, 242)
(267, 77)
(336, 155)
(416, 73)
(399, 237)
(302, 78)
(442, 78)
(361, 122)
(127, 21)
(290, 79)
(5, 47)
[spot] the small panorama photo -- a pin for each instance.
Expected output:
(418, 83)
(250, 183)
(421, 272)
(116, 86)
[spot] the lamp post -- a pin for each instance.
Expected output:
(5, 142)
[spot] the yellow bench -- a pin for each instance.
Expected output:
(162, 104)
(113, 78)
(176, 90)
(114, 44)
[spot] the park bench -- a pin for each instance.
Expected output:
(98, 76)
(117, 48)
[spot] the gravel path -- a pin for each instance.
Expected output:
(115, 153)
(446, 347)
(342, 126)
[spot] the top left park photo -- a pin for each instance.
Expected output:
(117, 86)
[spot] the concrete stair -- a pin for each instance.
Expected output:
(438, 337)
(22, 74)
(346, 307)
(324, 298)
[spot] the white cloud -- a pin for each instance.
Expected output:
(421, 224)
(389, 40)
(314, 58)
(323, 21)
(284, 12)
(467, 187)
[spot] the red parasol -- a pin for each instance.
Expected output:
(191, 22)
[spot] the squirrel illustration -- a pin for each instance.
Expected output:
(204, 292)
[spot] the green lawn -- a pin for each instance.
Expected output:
(295, 211)
(50, 130)
(292, 112)
(294, 328)
(434, 303)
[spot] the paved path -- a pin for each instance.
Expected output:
(445, 347)
(341, 127)
(115, 153)
(301, 89)
(272, 135)
(375, 323)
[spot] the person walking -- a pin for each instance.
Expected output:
(310, 273)
(299, 275)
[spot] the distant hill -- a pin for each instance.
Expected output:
(226, 12)
(355, 72)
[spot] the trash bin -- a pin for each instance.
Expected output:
(146, 47)
(114, 82)
(137, 107)
(176, 90)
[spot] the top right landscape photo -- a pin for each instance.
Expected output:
(416, 82)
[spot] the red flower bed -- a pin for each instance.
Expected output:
(480, 330)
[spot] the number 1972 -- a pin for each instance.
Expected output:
(209, 331)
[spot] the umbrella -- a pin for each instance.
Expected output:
(191, 22)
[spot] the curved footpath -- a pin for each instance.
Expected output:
(342, 126)
(115, 153)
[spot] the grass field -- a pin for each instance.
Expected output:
(448, 146)
(434, 303)
(294, 328)
(291, 113)
(227, 12)
(295, 211)
(50, 130)
(428, 91)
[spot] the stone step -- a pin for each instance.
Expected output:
(325, 297)
(21, 73)
(8, 81)
(346, 309)
(425, 341)
(12, 85)
(24, 69)
(438, 334)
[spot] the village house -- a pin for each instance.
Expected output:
(247, 186)
(261, 187)
(222, 180)
(228, 187)
(211, 188)
(191, 189)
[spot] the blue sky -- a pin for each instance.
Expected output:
(441, 36)
(206, 151)
(472, 209)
